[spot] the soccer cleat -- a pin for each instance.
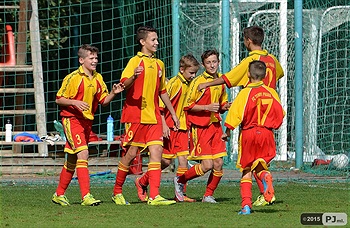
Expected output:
(179, 190)
(186, 199)
(141, 191)
(119, 200)
(260, 201)
(208, 199)
(159, 201)
(89, 200)
(61, 200)
(268, 187)
(245, 210)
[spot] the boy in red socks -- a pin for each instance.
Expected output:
(203, 114)
(175, 140)
(144, 80)
(258, 110)
(253, 38)
(78, 97)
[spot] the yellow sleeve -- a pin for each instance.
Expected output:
(236, 111)
(162, 86)
(238, 76)
(67, 89)
(128, 71)
(192, 94)
(279, 70)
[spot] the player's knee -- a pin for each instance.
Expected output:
(165, 163)
(207, 165)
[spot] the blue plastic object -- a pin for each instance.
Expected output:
(110, 129)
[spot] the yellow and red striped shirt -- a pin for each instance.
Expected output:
(212, 94)
(142, 98)
(78, 86)
(177, 89)
(238, 76)
(256, 105)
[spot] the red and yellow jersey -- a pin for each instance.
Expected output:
(78, 86)
(177, 89)
(238, 76)
(142, 98)
(256, 105)
(213, 94)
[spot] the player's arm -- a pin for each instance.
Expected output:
(218, 81)
(81, 105)
(166, 100)
(213, 107)
(117, 88)
(129, 81)
(166, 129)
(226, 134)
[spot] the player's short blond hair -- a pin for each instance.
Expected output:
(84, 50)
(188, 61)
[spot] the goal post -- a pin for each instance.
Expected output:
(200, 30)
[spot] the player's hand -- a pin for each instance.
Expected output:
(225, 137)
(202, 86)
(176, 122)
(138, 70)
(81, 105)
(213, 107)
(117, 88)
(226, 106)
(166, 131)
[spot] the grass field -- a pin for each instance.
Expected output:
(29, 205)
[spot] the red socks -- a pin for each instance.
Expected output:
(154, 173)
(83, 177)
(246, 192)
(65, 178)
(123, 171)
(193, 172)
(259, 182)
(213, 182)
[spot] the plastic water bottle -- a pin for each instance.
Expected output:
(110, 128)
(8, 133)
(59, 128)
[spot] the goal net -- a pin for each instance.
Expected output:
(325, 64)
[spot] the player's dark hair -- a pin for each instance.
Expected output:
(83, 50)
(255, 33)
(208, 53)
(188, 61)
(257, 70)
(143, 31)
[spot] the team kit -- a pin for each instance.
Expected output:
(179, 118)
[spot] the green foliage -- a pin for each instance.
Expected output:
(55, 21)
(30, 206)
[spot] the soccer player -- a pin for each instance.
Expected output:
(144, 80)
(175, 140)
(253, 38)
(80, 93)
(203, 112)
(257, 108)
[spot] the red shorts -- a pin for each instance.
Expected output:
(176, 145)
(143, 135)
(206, 142)
(77, 133)
(256, 145)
